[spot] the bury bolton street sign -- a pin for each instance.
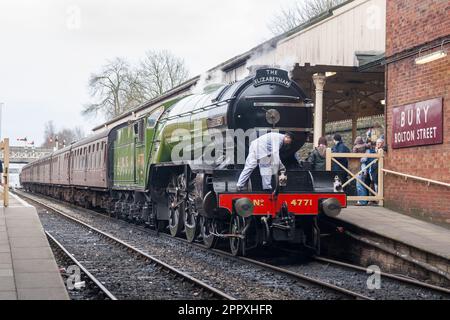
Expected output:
(417, 124)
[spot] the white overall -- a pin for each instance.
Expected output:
(265, 152)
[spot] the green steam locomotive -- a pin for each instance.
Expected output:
(176, 168)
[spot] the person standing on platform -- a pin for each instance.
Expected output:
(339, 147)
(373, 171)
(317, 156)
(374, 133)
(361, 147)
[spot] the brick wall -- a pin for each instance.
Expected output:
(410, 23)
(413, 23)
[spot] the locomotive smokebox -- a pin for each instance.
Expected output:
(270, 100)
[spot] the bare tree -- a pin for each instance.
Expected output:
(49, 134)
(119, 87)
(161, 71)
(64, 136)
(67, 136)
(111, 88)
(78, 133)
(291, 17)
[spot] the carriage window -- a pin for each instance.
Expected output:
(151, 120)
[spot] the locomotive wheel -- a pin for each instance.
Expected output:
(175, 192)
(206, 230)
(237, 245)
(191, 216)
(191, 223)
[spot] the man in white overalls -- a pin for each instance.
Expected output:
(265, 152)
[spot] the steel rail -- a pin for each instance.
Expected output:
(195, 281)
(279, 270)
(410, 281)
(83, 269)
(282, 271)
(300, 276)
(383, 274)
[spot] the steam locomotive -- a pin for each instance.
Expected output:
(176, 168)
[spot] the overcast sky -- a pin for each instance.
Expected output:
(48, 48)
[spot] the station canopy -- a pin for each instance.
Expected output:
(349, 92)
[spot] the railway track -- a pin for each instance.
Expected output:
(314, 271)
(318, 279)
(275, 285)
(411, 281)
(115, 255)
(96, 288)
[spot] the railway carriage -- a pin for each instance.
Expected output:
(176, 168)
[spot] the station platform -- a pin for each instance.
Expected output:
(399, 227)
(28, 270)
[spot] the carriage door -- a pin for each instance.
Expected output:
(139, 156)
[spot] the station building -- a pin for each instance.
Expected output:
(357, 61)
(418, 80)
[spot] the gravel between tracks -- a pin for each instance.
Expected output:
(238, 279)
(126, 276)
(89, 291)
(356, 280)
(246, 281)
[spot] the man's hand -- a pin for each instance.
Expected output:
(282, 179)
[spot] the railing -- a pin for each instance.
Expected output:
(4, 146)
(377, 157)
(409, 176)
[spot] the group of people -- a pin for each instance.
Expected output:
(368, 176)
(369, 173)
(264, 152)
(318, 155)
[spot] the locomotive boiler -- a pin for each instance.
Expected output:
(176, 168)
